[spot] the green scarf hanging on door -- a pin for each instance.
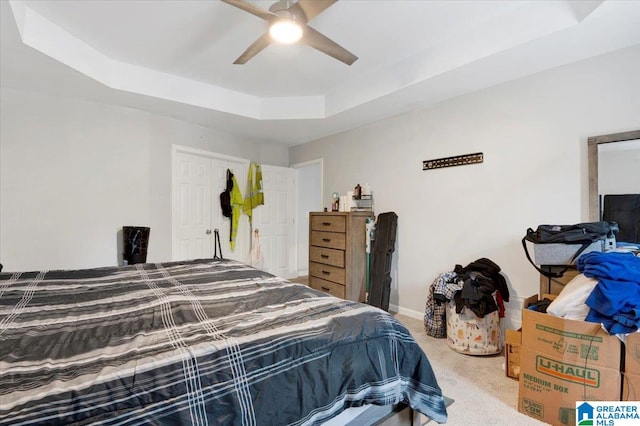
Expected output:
(236, 211)
(253, 196)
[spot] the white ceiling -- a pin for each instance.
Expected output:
(176, 57)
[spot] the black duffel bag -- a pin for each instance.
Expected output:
(584, 234)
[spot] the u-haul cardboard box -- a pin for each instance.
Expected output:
(512, 343)
(564, 361)
(631, 376)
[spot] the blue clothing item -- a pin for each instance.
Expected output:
(615, 300)
(610, 265)
(629, 319)
(612, 297)
(615, 304)
(613, 325)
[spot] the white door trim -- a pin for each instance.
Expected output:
(302, 240)
(203, 153)
(175, 149)
(319, 161)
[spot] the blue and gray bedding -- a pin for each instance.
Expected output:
(197, 342)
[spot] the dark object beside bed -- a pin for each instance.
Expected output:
(197, 342)
(625, 210)
(384, 245)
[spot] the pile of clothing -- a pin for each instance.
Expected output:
(479, 286)
(607, 291)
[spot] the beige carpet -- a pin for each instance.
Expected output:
(482, 393)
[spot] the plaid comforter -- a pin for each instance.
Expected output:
(197, 342)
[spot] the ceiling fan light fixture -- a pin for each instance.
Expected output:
(285, 31)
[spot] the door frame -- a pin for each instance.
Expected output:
(292, 235)
(299, 213)
(175, 149)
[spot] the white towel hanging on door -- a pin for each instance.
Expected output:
(256, 256)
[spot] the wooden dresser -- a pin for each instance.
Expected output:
(337, 258)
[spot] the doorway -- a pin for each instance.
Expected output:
(309, 192)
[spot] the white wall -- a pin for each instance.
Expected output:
(533, 133)
(72, 173)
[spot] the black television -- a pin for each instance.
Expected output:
(625, 210)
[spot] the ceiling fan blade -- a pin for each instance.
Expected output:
(260, 13)
(309, 9)
(324, 44)
(255, 48)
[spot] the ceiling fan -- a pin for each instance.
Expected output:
(290, 18)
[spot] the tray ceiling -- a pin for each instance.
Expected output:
(176, 57)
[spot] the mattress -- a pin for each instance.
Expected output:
(197, 342)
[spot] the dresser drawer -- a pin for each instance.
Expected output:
(326, 272)
(328, 223)
(327, 256)
(335, 240)
(333, 289)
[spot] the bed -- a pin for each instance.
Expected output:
(197, 342)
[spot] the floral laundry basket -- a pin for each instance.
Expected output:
(468, 334)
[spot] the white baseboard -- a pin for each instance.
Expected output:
(513, 318)
(404, 311)
(303, 272)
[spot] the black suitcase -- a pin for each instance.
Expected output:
(381, 257)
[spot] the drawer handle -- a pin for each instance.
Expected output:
(324, 256)
(326, 223)
(326, 240)
(326, 272)
(325, 288)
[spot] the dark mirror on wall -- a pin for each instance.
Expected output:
(614, 182)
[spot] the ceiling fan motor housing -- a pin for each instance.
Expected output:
(281, 8)
(288, 24)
